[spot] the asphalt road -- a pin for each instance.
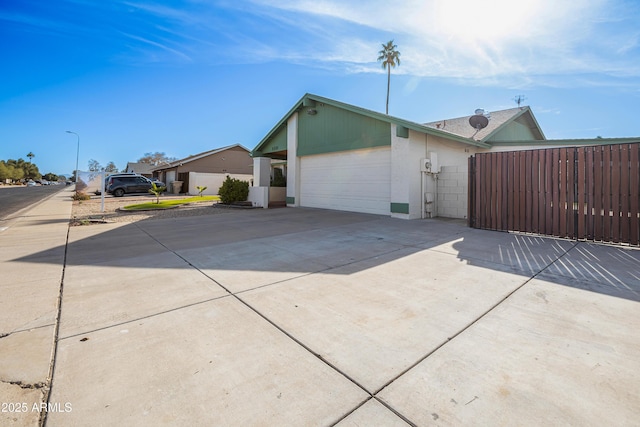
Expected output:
(14, 198)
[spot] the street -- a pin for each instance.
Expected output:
(14, 198)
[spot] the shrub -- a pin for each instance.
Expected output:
(278, 180)
(233, 190)
(79, 195)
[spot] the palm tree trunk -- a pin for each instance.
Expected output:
(388, 86)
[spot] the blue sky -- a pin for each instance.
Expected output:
(187, 76)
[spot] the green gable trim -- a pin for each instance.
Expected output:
(331, 129)
(278, 142)
(291, 200)
(523, 118)
(513, 131)
(402, 208)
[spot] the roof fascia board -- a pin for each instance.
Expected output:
(206, 153)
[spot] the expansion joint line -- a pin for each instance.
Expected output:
(476, 320)
(56, 330)
(264, 317)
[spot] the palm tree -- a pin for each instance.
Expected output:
(30, 156)
(390, 57)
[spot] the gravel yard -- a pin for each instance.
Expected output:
(89, 211)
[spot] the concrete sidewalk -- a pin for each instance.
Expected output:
(29, 304)
(313, 317)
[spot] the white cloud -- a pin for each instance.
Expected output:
(480, 40)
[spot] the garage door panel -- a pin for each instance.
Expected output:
(356, 181)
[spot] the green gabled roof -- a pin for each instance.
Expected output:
(368, 113)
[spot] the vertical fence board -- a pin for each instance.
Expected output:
(522, 199)
(486, 193)
(571, 194)
(528, 191)
(476, 196)
(634, 194)
(511, 197)
(606, 193)
(615, 194)
(470, 192)
(625, 208)
(547, 210)
(598, 214)
(504, 201)
(588, 188)
(495, 191)
(581, 199)
(562, 193)
(535, 189)
(554, 175)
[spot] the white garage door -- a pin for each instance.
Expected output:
(357, 181)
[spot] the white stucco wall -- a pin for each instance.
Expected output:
(213, 182)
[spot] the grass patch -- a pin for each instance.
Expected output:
(165, 204)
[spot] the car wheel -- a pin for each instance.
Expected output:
(119, 192)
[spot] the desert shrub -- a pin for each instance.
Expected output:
(79, 195)
(233, 190)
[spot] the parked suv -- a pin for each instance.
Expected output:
(118, 185)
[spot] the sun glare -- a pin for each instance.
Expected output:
(492, 20)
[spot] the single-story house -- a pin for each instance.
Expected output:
(208, 168)
(343, 157)
(144, 169)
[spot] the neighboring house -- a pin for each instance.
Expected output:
(343, 157)
(144, 169)
(233, 160)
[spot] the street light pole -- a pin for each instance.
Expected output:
(77, 157)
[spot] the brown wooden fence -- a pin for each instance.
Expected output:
(590, 193)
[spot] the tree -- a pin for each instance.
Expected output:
(390, 57)
(94, 166)
(19, 169)
(30, 156)
(156, 191)
(111, 168)
(156, 158)
(52, 177)
(5, 173)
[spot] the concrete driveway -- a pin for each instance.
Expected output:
(313, 317)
